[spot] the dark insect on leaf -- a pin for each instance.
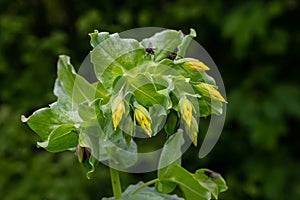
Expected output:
(173, 55)
(211, 174)
(150, 49)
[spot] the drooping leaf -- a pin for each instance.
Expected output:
(158, 114)
(186, 42)
(171, 153)
(172, 122)
(55, 125)
(45, 120)
(108, 145)
(211, 180)
(191, 188)
(75, 86)
(62, 138)
(194, 186)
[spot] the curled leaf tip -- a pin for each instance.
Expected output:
(23, 119)
(193, 32)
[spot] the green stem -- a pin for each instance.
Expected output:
(115, 181)
(144, 185)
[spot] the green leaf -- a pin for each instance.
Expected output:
(172, 122)
(216, 106)
(192, 130)
(212, 181)
(97, 38)
(113, 56)
(186, 42)
(171, 153)
(204, 108)
(190, 187)
(157, 113)
(66, 74)
(147, 95)
(145, 91)
(62, 138)
(194, 186)
(209, 106)
(75, 86)
(108, 145)
(164, 43)
(45, 120)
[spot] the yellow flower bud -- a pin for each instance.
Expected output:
(118, 109)
(192, 131)
(210, 91)
(143, 118)
(186, 110)
(194, 138)
(195, 65)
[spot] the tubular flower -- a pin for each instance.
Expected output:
(143, 118)
(186, 110)
(195, 65)
(118, 109)
(210, 91)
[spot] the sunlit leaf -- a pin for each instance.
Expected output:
(114, 55)
(97, 38)
(164, 42)
(62, 138)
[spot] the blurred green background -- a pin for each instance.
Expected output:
(254, 43)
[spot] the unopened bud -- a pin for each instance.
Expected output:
(142, 116)
(186, 110)
(118, 109)
(195, 65)
(210, 91)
